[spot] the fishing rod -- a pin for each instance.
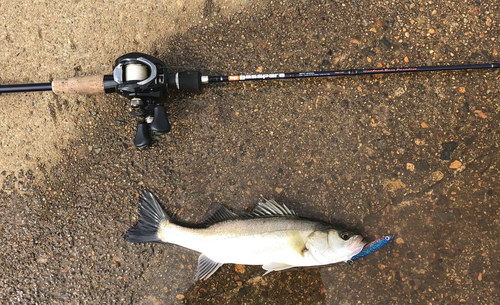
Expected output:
(144, 80)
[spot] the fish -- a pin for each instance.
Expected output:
(372, 247)
(271, 235)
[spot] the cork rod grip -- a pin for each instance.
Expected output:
(93, 84)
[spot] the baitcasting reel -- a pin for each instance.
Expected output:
(144, 80)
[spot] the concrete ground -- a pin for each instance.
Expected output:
(414, 155)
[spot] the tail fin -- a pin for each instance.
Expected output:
(150, 216)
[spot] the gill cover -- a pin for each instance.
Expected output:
(326, 247)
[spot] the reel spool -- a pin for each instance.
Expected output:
(135, 72)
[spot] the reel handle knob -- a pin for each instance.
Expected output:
(142, 136)
(160, 122)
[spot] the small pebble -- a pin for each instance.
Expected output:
(437, 176)
(400, 91)
(481, 114)
(455, 164)
(239, 268)
(393, 186)
(419, 142)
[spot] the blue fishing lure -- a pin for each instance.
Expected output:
(372, 247)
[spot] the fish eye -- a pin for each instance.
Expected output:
(387, 238)
(344, 235)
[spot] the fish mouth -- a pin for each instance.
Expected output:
(356, 245)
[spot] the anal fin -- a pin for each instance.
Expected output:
(270, 267)
(206, 267)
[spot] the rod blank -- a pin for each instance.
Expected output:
(250, 77)
(25, 88)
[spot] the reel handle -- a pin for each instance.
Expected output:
(160, 122)
(142, 136)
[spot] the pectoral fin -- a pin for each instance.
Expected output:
(269, 267)
(206, 267)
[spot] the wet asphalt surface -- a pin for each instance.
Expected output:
(413, 155)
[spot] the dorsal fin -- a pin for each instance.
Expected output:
(218, 213)
(270, 208)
